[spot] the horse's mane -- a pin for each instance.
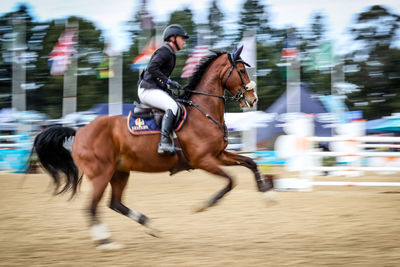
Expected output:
(196, 77)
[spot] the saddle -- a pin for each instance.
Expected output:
(144, 119)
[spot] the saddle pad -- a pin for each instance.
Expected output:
(142, 125)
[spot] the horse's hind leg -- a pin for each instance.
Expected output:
(118, 183)
(232, 159)
(211, 165)
(99, 231)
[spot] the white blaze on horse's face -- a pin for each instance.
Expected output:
(250, 96)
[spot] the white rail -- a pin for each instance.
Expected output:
(375, 142)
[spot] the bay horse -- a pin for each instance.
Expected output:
(105, 151)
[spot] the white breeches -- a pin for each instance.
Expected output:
(157, 98)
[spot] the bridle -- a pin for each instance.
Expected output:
(240, 93)
(238, 96)
(246, 87)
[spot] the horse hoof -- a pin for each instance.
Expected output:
(152, 230)
(109, 246)
(270, 197)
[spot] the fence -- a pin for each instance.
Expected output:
(357, 165)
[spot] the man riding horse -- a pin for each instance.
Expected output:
(155, 82)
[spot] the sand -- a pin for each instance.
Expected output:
(330, 226)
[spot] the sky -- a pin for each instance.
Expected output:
(111, 16)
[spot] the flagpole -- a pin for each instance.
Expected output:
(115, 86)
(18, 101)
(148, 28)
(293, 90)
(249, 54)
(71, 78)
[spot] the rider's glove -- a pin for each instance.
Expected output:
(174, 84)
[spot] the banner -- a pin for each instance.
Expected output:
(193, 61)
(105, 69)
(142, 60)
(290, 46)
(60, 56)
(321, 57)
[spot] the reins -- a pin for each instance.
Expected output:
(238, 96)
(190, 103)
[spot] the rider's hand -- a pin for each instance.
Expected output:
(175, 84)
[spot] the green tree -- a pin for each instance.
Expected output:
(377, 59)
(253, 17)
(313, 39)
(48, 98)
(215, 18)
(185, 18)
(316, 34)
(9, 37)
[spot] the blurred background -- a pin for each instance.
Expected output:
(70, 61)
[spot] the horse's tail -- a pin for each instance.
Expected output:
(56, 159)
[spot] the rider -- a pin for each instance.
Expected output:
(155, 82)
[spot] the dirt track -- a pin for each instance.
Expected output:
(331, 226)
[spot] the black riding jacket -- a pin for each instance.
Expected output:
(160, 67)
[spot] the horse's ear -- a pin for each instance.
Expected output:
(236, 52)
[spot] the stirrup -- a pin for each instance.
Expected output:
(164, 148)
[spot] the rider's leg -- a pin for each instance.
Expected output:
(166, 127)
(160, 99)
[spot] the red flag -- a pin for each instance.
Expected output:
(60, 56)
(143, 58)
(289, 48)
(194, 60)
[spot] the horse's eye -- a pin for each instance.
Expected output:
(242, 71)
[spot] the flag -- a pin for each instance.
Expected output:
(290, 46)
(60, 56)
(321, 57)
(105, 68)
(193, 61)
(143, 58)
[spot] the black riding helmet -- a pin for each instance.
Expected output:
(174, 30)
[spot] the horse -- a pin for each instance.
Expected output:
(105, 151)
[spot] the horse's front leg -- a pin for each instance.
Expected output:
(118, 183)
(232, 159)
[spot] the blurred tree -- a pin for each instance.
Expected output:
(316, 34)
(141, 29)
(271, 84)
(9, 37)
(185, 18)
(253, 17)
(312, 40)
(376, 61)
(48, 98)
(215, 18)
(45, 92)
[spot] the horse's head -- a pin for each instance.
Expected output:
(237, 81)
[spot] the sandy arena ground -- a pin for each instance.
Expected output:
(331, 226)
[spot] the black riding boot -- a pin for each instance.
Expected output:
(166, 127)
